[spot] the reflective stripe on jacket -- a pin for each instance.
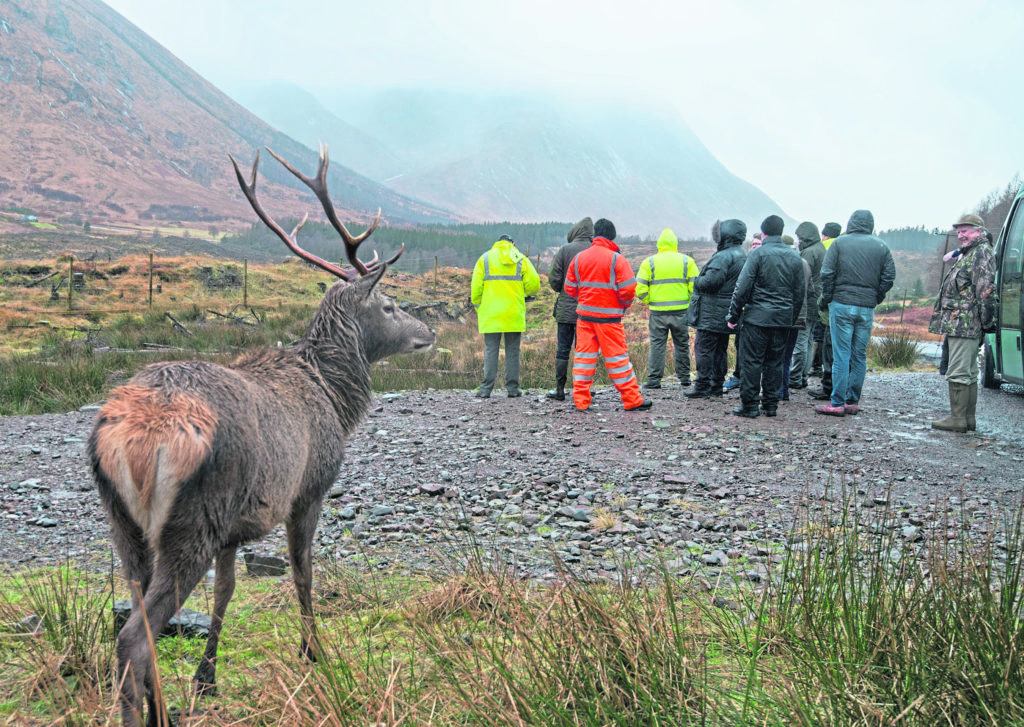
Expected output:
(601, 281)
(665, 280)
(502, 279)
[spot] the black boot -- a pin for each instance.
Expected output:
(561, 374)
(750, 412)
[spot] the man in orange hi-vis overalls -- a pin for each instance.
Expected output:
(601, 281)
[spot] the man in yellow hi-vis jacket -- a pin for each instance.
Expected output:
(502, 280)
(665, 283)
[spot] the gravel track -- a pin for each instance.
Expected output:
(431, 471)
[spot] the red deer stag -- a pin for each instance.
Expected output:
(193, 459)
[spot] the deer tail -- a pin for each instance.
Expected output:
(146, 442)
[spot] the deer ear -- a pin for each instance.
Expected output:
(368, 282)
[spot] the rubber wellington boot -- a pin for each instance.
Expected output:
(972, 407)
(957, 419)
(561, 372)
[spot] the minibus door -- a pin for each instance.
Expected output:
(1011, 303)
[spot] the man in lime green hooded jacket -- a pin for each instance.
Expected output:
(665, 283)
(502, 280)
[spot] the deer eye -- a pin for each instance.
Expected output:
(389, 308)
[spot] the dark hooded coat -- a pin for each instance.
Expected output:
(858, 268)
(813, 253)
(712, 290)
(578, 239)
(770, 291)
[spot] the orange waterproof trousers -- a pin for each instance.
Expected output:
(607, 340)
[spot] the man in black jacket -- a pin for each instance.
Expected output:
(768, 298)
(712, 294)
(857, 273)
(578, 239)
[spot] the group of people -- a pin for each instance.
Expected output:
(772, 299)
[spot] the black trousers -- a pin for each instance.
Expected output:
(710, 350)
(787, 359)
(762, 351)
(566, 339)
(826, 360)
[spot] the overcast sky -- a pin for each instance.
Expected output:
(910, 109)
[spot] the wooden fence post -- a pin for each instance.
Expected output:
(151, 281)
(435, 275)
(71, 280)
(245, 281)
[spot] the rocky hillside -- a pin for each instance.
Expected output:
(101, 123)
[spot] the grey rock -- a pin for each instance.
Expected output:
(260, 565)
(190, 624)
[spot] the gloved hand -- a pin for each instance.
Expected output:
(822, 305)
(951, 254)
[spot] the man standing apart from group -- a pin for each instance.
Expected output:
(768, 298)
(964, 311)
(710, 305)
(857, 273)
(602, 282)
(502, 279)
(665, 283)
(578, 239)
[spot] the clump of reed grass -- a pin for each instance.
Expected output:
(897, 349)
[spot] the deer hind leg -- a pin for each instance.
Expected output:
(205, 680)
(177, 572)
(137, 562)
(301, 526)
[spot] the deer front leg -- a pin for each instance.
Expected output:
(301, 527)
(205, 680)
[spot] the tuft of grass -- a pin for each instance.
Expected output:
(896, 350)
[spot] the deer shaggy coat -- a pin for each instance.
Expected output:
(193, 459)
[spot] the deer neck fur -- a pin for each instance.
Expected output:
(332, 348)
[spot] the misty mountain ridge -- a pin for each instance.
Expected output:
(525, 158)
(101, 122)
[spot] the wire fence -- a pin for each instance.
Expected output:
(142, 283)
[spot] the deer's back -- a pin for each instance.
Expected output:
(233, 445)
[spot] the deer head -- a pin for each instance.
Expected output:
(383, 328)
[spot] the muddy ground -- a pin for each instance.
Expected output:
(431, 473)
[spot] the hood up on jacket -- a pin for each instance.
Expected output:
(507, 253)
(861, 222)
(807, 233)
(582, 230)
(729, 232)
(667, 241)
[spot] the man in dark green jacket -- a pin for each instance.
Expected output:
(813, 253)
(578, 239)
(964, 311)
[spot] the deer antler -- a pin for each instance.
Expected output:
(319, 187)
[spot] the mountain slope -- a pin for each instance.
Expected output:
(100, 121)
(286, 106)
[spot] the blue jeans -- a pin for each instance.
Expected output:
(851, 332)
